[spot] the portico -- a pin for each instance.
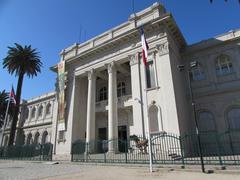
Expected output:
(109, 89)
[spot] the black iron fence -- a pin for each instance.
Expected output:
(217, 149)
(40, 152)
(126, 151)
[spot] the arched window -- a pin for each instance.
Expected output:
(36, 138)
(44, 137)
(153, 118)
(103, 93)
(48, 109)
(33, 113)
(233, 117)
(223, 65)
(197, 73)
(206, 121)
(29, 139)
(121, 89)
(40, 111)
(20, 138)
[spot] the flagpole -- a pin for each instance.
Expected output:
(145, 65)
(148, 122)
(5, 121)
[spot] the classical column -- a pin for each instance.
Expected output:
(91, 100)
(112, 108)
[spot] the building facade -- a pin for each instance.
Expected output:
(35, 121)
(107, 96)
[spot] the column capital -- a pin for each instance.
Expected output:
(111, 66)
(133, 59)
(162, 48)
(91, 74)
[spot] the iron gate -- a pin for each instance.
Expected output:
(166, 149)
(217, 149)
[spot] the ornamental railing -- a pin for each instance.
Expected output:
(217, 149)
(39, 152)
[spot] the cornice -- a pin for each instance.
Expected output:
(148, 18)
(228, 37)
(118, 56)
(45, 97)
(36, 125)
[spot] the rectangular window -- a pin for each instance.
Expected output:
(61, 136)
(150, 74)
(197, 74)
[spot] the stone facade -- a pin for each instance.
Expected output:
(216, 81)
(107, 96)
(35, 122)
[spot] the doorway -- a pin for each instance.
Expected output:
(102, 137)
(122, 138)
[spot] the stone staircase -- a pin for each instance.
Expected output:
(175, 153)
(175, 156)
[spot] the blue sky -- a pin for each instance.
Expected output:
(52, 25)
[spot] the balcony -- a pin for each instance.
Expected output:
(123, 101)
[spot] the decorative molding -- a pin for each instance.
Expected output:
(62, 53)
(153, 102)
(110, 67)
(161, 32)
(91, 74)
(134, 44)
(162, 48)
(133, 59)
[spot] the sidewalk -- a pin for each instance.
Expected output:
(42, 170)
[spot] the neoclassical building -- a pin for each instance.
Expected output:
(105, 89)
(35, 121)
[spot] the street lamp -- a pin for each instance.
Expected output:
(194, 64)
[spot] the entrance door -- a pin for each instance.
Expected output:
(102, 136)
(122, 138)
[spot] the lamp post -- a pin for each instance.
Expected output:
(194, 64)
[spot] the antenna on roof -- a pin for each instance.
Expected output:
(133, 7)
(84, 35)
(80, 33)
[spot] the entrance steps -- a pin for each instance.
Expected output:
(61, 157)
(175, 156)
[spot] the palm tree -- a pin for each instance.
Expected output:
(20, 61)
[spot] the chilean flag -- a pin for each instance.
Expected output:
(12, 95)
(144, 48)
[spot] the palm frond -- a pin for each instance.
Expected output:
(22, 60)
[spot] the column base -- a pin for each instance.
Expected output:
(90, 147)
(113, 146)
(113, 152)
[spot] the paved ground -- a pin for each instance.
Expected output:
(41, 170)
